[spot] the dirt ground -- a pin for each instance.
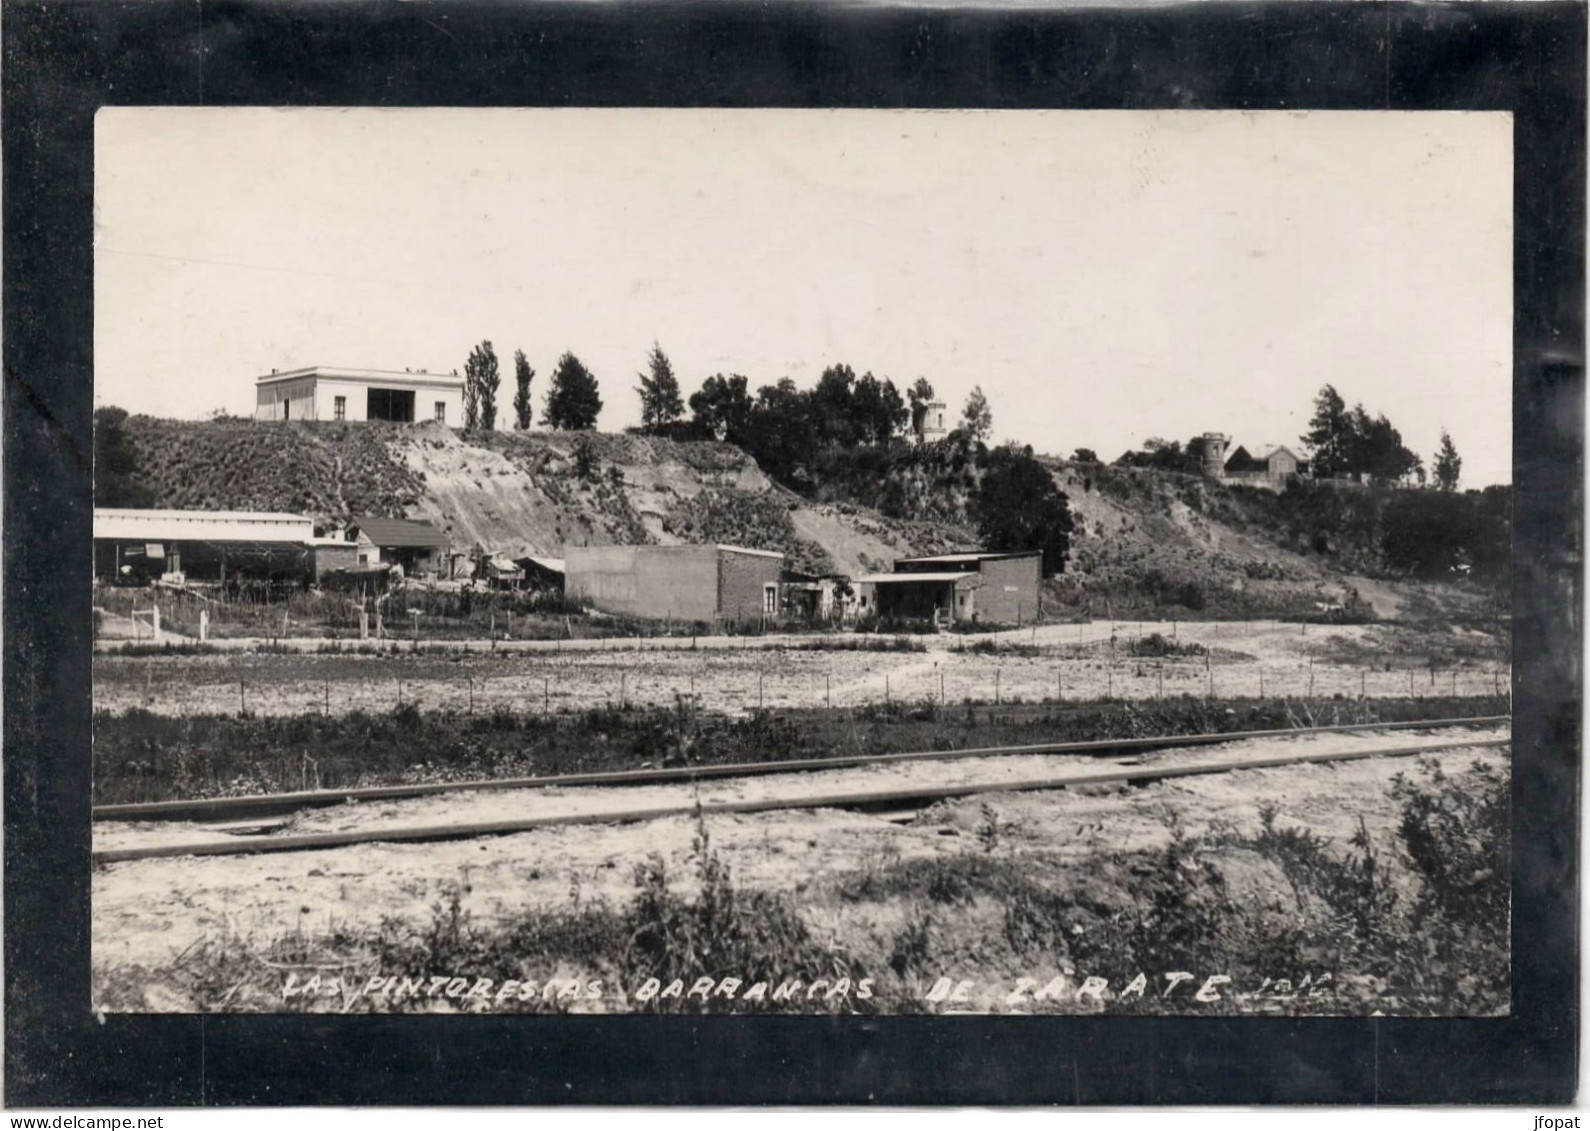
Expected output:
(146, 913)
(1087, 661)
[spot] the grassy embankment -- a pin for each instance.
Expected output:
(140, 756)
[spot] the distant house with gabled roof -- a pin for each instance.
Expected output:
(1271, 466)
(418, 547)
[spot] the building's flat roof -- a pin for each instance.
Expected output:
(972, 557)
(682, 547)
(384, 376)
(744, 550)
(902, 578)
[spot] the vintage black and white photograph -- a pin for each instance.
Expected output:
(802, 561)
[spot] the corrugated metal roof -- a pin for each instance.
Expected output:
(896, 578)
(154, 513)
(745, 550)
(402, 532)
(212, 526)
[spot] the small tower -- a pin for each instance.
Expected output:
(1214, 453)
(930, 426)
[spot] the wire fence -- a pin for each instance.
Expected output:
(941, 680)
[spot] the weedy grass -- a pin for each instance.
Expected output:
(661, 934)
(140, 755)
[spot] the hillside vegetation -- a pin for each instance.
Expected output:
(1146, 542)
(1151, 542)
(516, 492)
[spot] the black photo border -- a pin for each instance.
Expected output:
(64, 60)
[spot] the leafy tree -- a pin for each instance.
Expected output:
(573, 401)
(977, 418)
(116, 481)
(1329, 438)
(471, 397)
(833, 407)
(1085, 455)
(877, 409)
(1376, 449)
(480, 374)
(522, 376)
(784, 432)
(722, 407)
(920, 395)
(1164, 455)
(1020, 508)
(585, 458)
(1448, 464)
(659, 392)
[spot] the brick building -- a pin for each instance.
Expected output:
(688, 583)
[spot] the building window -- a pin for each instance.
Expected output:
(339, 408)
(441, 412)
(770, 599)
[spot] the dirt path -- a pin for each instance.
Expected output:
(147, 911)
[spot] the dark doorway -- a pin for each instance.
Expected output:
(391, 404)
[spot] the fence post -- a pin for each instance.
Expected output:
(471, 680)
(546, 695)
(1161, 668)
(1059, 685)
(204, 625)
(996, 686)
(623, 690)
(242, 697)
(154, 620)
(1261, 683)
(828, 691)
(327, 710)
(1311, 677)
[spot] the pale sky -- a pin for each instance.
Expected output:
(1104, 276)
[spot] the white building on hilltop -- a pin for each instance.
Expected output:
(928, 425)
(322, 393)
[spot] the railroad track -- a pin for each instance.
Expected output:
(273, 804)
(891, 800)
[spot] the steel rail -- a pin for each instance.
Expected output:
(896, 798)
(269, 804)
